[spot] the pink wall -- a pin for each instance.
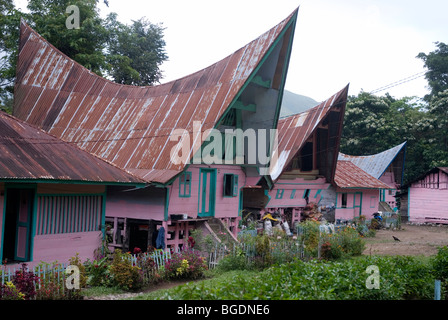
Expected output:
(427, 199)
(367, 199)
(145, 203)
(62, 247)
(293, 192)
(224, 206)
(428, 205)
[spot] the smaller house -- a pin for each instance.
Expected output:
(308, 146)
(357, 192)
(424, 200)
(52, 196)
(387, 166)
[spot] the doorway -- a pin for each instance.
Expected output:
(207, 192)
(18, 224)
(357, 203)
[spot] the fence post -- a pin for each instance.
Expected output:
(437, 290)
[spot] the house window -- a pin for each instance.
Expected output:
(306, 194)
(279, 194)
(185, 185)
(230, 185)
(293, 193)
(344, 200)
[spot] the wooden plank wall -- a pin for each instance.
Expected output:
(428, 199)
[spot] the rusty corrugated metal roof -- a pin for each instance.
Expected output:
(126, 125)
(28, 153)
(295, 130)
(376, 164)
(350, 176)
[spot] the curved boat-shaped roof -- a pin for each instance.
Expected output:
(131, 126)
(295, 130)
(377, 164)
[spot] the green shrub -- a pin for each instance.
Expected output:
(76, 261)
(123, 273)
(98, 272)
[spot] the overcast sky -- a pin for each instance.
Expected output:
(368, 43)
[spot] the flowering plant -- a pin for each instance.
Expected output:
(185, 264)
(8, 291)
(24, 281)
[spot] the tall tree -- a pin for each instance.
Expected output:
(373, 124)
(136, 51)
(130, 54)
(437, 64)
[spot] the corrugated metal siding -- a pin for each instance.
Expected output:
(376, 164)
(348, 175)
(29, 153)
(128, 126)
(295, 130)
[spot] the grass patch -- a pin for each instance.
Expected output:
(101, 291)
(181, 292)
(400, 278)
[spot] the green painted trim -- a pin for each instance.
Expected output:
(240, 106)
(279, 194)
(69, 194)
(103, 214)
(3, 224)
(184, 184)
(29, 247)
(89, 216)
(292, 24)
(409, 201)
(262, 61)
(262, 83)
(167, 203)
(266, 193)
(360, 202)
(240, 203)
(318, 193)
(212, 191)
(33, 225)
(305, 193)
(234, 185)
(293, 193)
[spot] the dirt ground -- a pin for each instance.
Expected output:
(414, 240)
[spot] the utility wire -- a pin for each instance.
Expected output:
(399, 82)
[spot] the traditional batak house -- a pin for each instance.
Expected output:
(308, 147)
(166, 135)
(424, 200)
(387, 166)
(357, 192)
(52, 196)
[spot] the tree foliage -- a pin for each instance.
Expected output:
(127, 54)
(437, 64)
(373, 123)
